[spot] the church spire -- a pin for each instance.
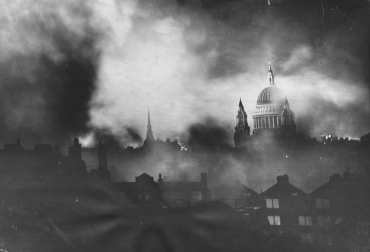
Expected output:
(149, 132)
(241, 104)
(270, 75)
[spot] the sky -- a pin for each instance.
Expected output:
(93, 68)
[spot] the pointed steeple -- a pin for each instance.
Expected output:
(270, 75)
(241, 104)
(149, 132)
(242, 129)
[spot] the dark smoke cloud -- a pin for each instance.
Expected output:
(113, 142)
(48, 81)
(208, 134)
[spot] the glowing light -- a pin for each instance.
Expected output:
(87, 140)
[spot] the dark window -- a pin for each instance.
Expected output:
(306, 238)
(323, 203)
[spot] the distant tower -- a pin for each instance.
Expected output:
(242, 130)
(149, 140)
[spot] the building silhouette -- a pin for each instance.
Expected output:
(102, 171)
(157, 146)
(242, 130)
(287, 210)
(172, 194)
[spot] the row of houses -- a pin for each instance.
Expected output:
(334, 217)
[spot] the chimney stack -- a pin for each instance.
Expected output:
(102, 156)
(282, 178)
(75, 150)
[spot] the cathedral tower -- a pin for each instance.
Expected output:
(242, 130)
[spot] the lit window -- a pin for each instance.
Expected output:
(269, 203)
(271, 220)
(305, 220)
(274, 220)
(272, 203)
(294, 194)
(147, 197)
(277, 220)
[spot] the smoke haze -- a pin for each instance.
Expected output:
(73, 68)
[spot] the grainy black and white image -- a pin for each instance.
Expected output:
(185, 125)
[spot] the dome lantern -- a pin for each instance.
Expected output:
(270, 76)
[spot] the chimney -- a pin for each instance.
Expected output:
(160, 180)
(282, 178)
(102, 156)
(75, 150)
(18, 141)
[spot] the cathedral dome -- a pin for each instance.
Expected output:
(273, 113)
(272, 95)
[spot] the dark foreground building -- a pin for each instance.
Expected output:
(172, 194)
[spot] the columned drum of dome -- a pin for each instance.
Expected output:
(273, 113)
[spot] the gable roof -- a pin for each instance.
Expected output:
(282, 187)
(144, 175)
(248, 190)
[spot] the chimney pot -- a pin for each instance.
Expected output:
(282, 178)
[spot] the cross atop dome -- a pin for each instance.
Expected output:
(270, 75)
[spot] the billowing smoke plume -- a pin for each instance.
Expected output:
(49, 60)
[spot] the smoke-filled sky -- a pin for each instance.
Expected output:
(68, 68)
